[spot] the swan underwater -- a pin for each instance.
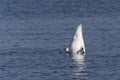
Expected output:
(77, 47)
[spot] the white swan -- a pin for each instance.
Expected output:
(77, 47)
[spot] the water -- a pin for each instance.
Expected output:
(32, 33)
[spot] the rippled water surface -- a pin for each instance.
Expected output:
(32, 33)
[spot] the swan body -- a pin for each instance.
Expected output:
(77, 44)
(77, 47)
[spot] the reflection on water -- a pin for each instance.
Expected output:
(78, 65)
(79, 69)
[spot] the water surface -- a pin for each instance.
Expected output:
(33, 32)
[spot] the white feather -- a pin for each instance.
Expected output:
(77, 42)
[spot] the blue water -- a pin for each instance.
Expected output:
(32, 33)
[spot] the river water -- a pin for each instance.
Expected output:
(32, 33)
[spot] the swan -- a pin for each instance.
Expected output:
(77, 46)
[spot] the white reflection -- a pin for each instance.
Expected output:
(79, 68)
